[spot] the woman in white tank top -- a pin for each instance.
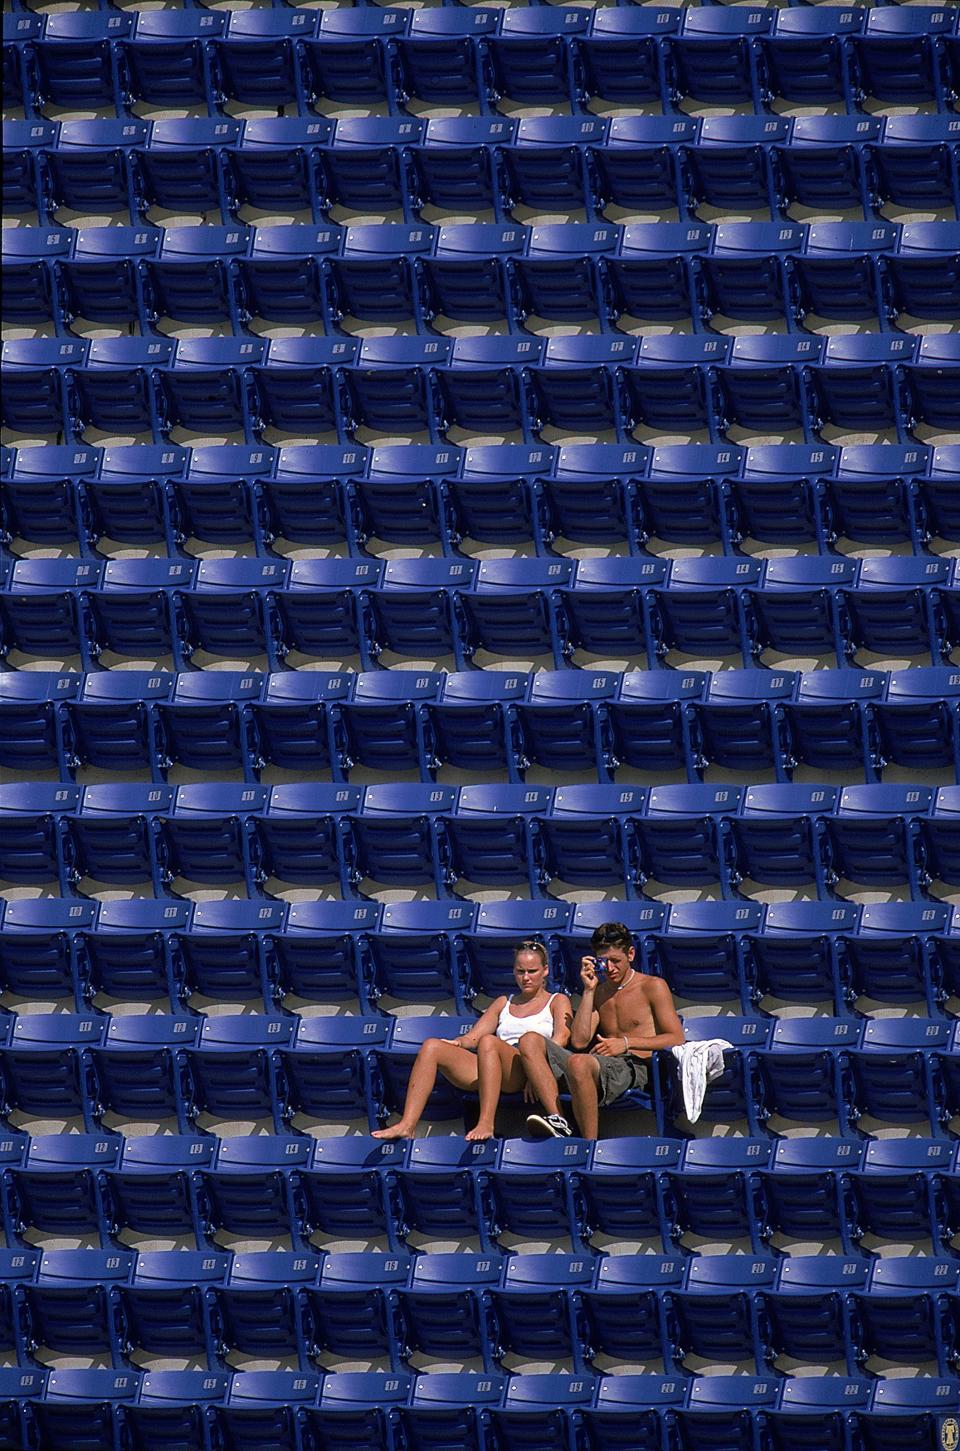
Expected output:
(486, 1059)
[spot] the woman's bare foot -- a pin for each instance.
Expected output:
(398, 1130)
(479, 1134)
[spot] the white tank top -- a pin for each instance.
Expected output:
(510, 1028)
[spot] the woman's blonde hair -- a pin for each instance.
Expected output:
(533, 944)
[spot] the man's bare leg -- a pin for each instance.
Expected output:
(533, 1052)
(583, 1076)
(436, 1056)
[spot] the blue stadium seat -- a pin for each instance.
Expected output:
(730, 165)
(798, 952)
(103, 280)
(20, 33)
(489, 837)
(893, 1073)
(166, 1305)
(444, 1309)
(563, 722)
(190, 278)
(18, 1388)
(806, 1191)
(635, 1408)
(672, 384)
(546, 163)
(29, 284)
(914, 166)
(683, 836)
(640, 164)
(113, 837)
(778, 494)
(77, 62)
(745, 273)
(917, 718)
(32, 720)
(872, 834)
(349, 1188)
(42, 500)
(128, 952)
(805, 55)
(577, 387)
(450, 1408)
(457, 166)
(536, 1189)
(59, 1187)
(590, 836)
(499, 926)
(924, 272)
(395, 1060)
(530, 57)
(703, 609)
(702, 955)
(766, 383)
(352, 1305)
(329, 1073)
(510, 607)
(715, 1310)
(416, 951)
(898, 1191)
(155, 1189)
(909, 1313)
(797, 611)
(319, 612)
(321, 953)
(395, 836)
(440, 56)
(167, 58)
(932, 380)
(897, 56)
(534, 1305)
(391, 388)
(539, 1410)
(118, 388)
(204, 721)
(265, 1409)
(130, 499)
(558, 277)
(623, 1188)
(683, 495)
(251, 1188)
(295, 722)
(485, 384)
(227, 608)
(279, 163)
(71, 1305)
(873, 493)
(296, 389)
(282, 277)
(183, 166)
(32, 849)
(257, 61)
(859, 380)
(223, 954)
(91, 167)
(825, 163)
(652, 275)
(621, 57)
(349, 57)
(367, 168)
(374, 277)
(652, 720)
(741, 720)
(714, 1194)
(497, 494)
(466, 276)
(610, 610)
(903, 1413)
(803, 1071)
(306, 497)
(939, 491)
(714, 58)
(39, 947)
(207, 391)
(259, 1304)
(939, 834)
(81, 1407)
(138, 1068)
(626, 1307)
(779, 835)
(357, 1407)
(176, 1405)
(399, 497)
(443, 1186)
(733, 1095)
(810, 1312)
(233, 1068)
(36, 374)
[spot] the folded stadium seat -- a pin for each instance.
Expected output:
(797, 609)
(297, 387)
(803, 1074)
(825, 164)
(394, 836)
(714, 58)
(415, 609)
(457, 165)
(232, 1072)
(683, 495)
(891, 957)
(416, 952)
(620, 57)
(894, 1077)
(702, 608)
(297, 835)
(166, 58)
(672, 383)
(42, 493)
(395, 1059)
(138, 1070)
(30, 290)
(730, 165)
(451, 1405)
(167, 1305)
(306, 500)
(102, 280)
(805, 56)
(563, 725)
(32, 849)
(361, 1406)
(15, 1265)
(777, 496)
(251, 1188)
(228, 609)
(208, 836)
(129, 500)
(652, 721)
(441, 57)
(113, 835)
(129, 952)
(349, 1188)
(466, 277)
(530, 57)
(915, 166)
(182, 166)
(917, 719)
(588, 836)
(175, 1403)
(112, 723)
(321, 610)
(57, 1187)
(32, 720)
(280, 164)
(265, 1408)
(578, 386)
(839, 273)
(488, 947)
(257, 59)
(873, 494)
(352, 1308)
(486, 385)
(899, 1191)
(623, 1189)
(206, 388)
(558, 276)
(374, 277)
(898, 58)
(391, 387)
(924, 273)
(224, 954)
(36, 377)
(218, 497)
(641, 1407)
(809, 1314)
(779, 836)
(444, 1310)
(740, 721)
(117, 388)
(702, 954)
(805, 1192)
(830, 722)
(497, 494)
(489, 837)
(191, 277)
(282, 278)
(939, 834)
(293, 722)
(540, 1410)
(766, 383)
(321, 954)
(82, 1407)
(652, 276)
(939, 492)
(133, 610)
(628, 1307)
(714, 1312)
(20, 33)
(641, 164)
(799, 954)
(443, 1185)
(684, 835)
(714, 1194)
(382, 724)
(46, 1066)
(874, 835)
(933, 381)
(367, 163)
(910, 1312)
(329, 1074)
(611, 608)
(903, 1413)
(510, 607)
(546, 163)
(896, 607)
(91, 168)
(400, 496)
(350, 57)
(259, 1305)
(40, 945)
(77, 62)
(534, 1306)
(154, 1189)
(204, 723)
(859, 382)
(746, 273)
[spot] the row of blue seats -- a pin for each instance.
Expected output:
(90, 1410)
(416, 494)
(587, 384)
(551, 163)
(614, 607)
(895, 1071)
(638, 1189)
(431, 835)
(591, 722)
(391, 1306)
(722, 952)
(464, 57)
(482, 273)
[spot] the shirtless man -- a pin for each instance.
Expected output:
(622, 1018)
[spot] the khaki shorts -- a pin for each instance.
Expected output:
(617, 1075)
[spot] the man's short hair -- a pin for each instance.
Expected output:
(611, 934)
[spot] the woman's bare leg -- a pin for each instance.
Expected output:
(436, 1056)
(498, 1067)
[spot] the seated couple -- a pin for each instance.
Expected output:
(534, 1042)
